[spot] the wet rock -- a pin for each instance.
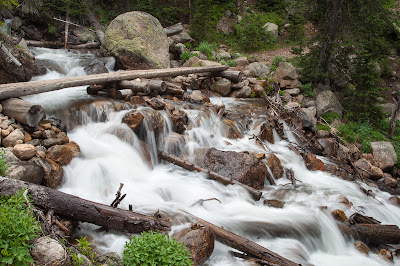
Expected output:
(361, 247)
(337, 171)
(199, 241)
(174, 143)
(134, 120)
(138, 41)
(386, 254)
(367, 170)
(244, 92)
(24, 151)
(329, 146)
(389, 181)
(76, 150)
(196, 97)
(137, 100)
(26, 171)
(180, 120)
(154, 121)
(313, 163)
(47, 251)
(275, 165)
(240, 166)
(156, 103)
(13, 138)
(230, 130)
(326, 102)
(61, 154)
(384, 154)
(53, 173)
(339, 215)
(345, 201)
(266, 133)
(222, 86)
(60, 139)
(96, 68)
(274, 203)
(258, 69)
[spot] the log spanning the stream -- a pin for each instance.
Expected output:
(77, 209)
(13, 90)
(256, 194)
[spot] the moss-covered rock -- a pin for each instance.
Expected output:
(138, 41)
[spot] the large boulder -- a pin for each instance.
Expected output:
(239, 166)
(327, 102)
(47, 251)
(258, 69)
(222, 86)
(384, 154)
(26, 171)
(285, 71)
(272, 28)
(138, 41)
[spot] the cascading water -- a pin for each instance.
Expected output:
(112, 154)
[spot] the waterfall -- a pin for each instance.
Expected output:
(112, 154)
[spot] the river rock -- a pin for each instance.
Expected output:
(109, 258)
(24, 151)
(222, 86)
(274, 203)
(290, 84)
(266, 133)
(179, 120)
(384, 154)
(156, 103)
(339, 215)
(367, 170)
(54, 173)
(154, 121)
(361, 247)
(47, 251)
(239, 166)
(96, 68)
(386, 254)
(138, 41)
(199, 241)
(61, 154)
(26, 171)
(244, 92)
(230, 130)
(327, 102)
(293, 92)
(13, 138)
(389, 181)
(134, 120)
(75, 149)
(258, 69)
(196, 96)
(329, 146)
(313, 163)
(275, 165)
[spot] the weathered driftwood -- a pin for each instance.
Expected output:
(31, 87)
(46, 44)
(96, 25)
(122, 94)
(135, 86)
(174, 29)
(245, 245)
(156, 85)
(77, 209)
(94, 89)
(256, 194)
(234, 76)
(24, 112)
(9, 54)
(372, 233)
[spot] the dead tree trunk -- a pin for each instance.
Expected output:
(156, 85)
(122, 94)
(234, 76)
(372, 233)
(77, 209)
(245, 245)
(90, 45)
(135, 86)
(256, 194)
(24, 112)
(12, 90)
(96, 25)
(94, 89)
(174, 29)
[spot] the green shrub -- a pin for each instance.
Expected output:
(329, 117)
(323, 127)
(51, 29)
(3, 164)
(186, 55)
(307, 89)
(275, 62)
(206, 48)
(18, 226)
(231, 63)
(155, 249)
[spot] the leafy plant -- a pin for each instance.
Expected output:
(307, 89)
(206, 48)
(51, 29)
(8, 3)
(155, 249)
(18, 227)
(276, 61)
(186, 55)
(3, 164)
(231, 63)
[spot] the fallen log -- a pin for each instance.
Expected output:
(256, 194)
(234, 76)
(174, 29)
(156, 85)
(78, 209)
(94, 89)
(46, 44)
(11, 90)
(24, 112)
(376, 234)
(135, 86)
(122, 94)
(245, 245)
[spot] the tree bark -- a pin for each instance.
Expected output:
(96, 25)
(372, 233)
(174, 29)
(31, 87)
(156, 85)
(256, 194)
(234, 76)
(94, 89)
(245, 245)
(121, 94)
(24, 112)
(135, 86)
(77, 209)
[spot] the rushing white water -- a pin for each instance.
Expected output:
(112, 154)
